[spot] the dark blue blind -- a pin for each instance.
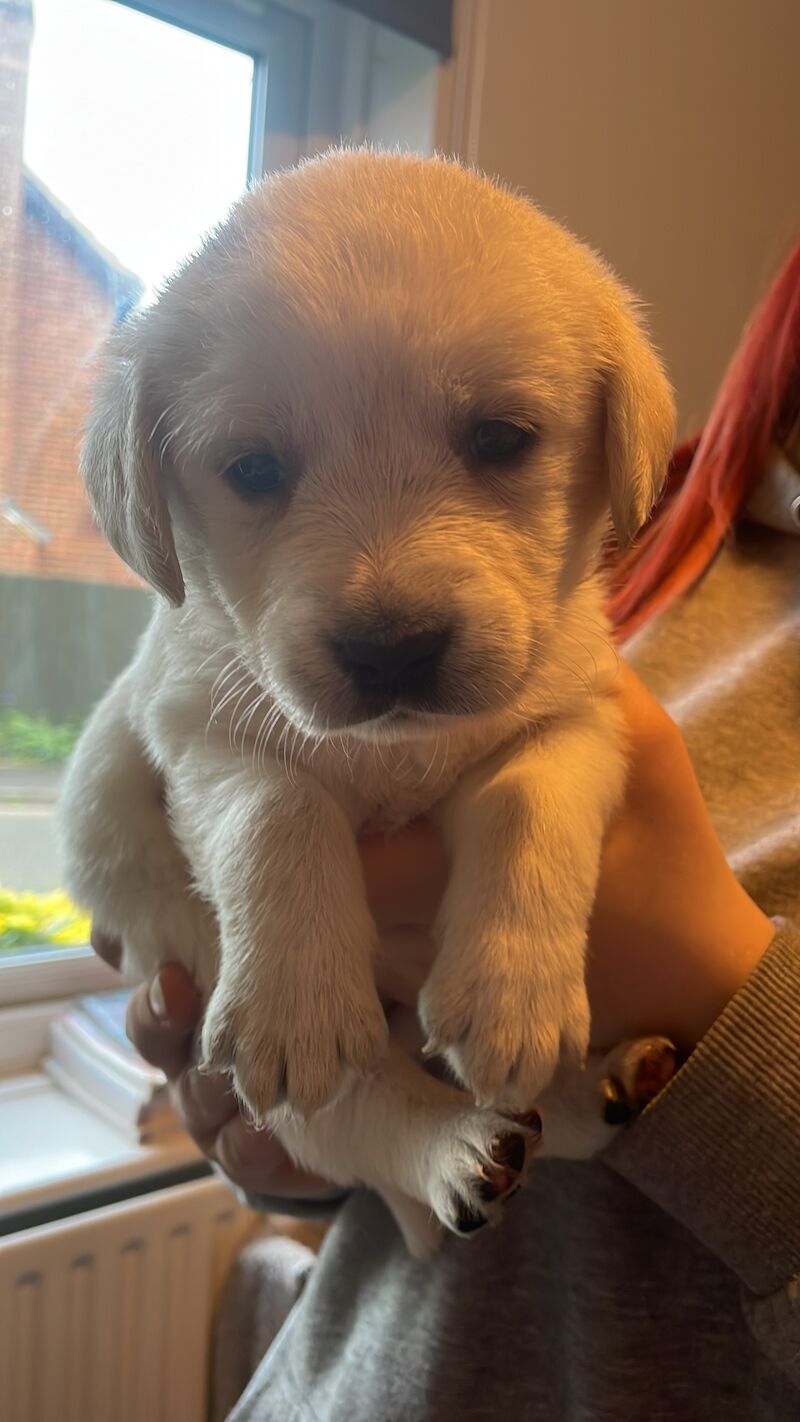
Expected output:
(428, 21)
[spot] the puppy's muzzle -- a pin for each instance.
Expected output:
(384, 670)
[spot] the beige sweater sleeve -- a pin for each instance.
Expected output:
(719, 1150)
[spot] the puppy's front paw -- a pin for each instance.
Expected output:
(505, 1017)
(295, 1055)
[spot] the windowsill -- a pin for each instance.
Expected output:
(56, 1150)
(52, 973)
(57, 1153)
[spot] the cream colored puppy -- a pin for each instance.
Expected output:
(365, 446)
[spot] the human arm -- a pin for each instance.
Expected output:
(677, 947)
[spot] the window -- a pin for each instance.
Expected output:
(126, 131)
(115, 162)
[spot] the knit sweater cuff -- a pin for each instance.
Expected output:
(719, 1150)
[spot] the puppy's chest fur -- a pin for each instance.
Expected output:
(384, 787)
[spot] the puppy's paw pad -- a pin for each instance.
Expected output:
(637, 1073)
(477, 1170)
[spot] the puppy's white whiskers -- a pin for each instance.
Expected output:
(217, 652)
(268, 725)
(248, 716)
(243, 680)
(233, 722)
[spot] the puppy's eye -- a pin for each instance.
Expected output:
(498, 441)
(256, 474)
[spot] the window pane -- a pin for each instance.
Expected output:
(140, 128)
(122, 139)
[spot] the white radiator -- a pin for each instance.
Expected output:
(107, 1316)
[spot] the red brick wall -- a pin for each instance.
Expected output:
(61, 319)
(54, 313)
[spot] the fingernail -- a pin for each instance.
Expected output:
(157, 1000)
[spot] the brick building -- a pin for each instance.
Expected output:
(60, 295)
(70, 611)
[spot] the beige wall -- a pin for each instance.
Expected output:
(667, 134)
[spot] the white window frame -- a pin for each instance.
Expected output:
(49, 973)
(310, 85)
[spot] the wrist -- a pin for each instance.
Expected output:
(674, 979)
(734, 944)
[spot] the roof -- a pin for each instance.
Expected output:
(123, 286)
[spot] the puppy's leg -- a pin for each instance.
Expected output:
(413, 1137)
(118, 853)
(295, 1005)
(506, 998)
(421, 1231)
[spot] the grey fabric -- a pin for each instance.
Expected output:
(264, 1284)
(661, 1284)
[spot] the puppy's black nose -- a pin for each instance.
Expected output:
(406, 666)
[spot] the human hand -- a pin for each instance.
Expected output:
(673, 933)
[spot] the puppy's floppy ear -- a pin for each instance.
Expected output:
(639, 421)
(121, 468)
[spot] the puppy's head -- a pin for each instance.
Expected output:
(379, 422)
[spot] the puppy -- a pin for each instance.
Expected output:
(365, 447)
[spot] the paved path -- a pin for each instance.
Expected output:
(30, 784)
(28, 858)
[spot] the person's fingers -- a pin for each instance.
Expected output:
(106, 947)
(204, 1101)
(254, 1160)
(162, 1017)
(404, 959)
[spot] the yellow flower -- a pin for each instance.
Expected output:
(28, 919)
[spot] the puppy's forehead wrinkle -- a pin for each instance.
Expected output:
(363, 404)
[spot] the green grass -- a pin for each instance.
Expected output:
(33, 740)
